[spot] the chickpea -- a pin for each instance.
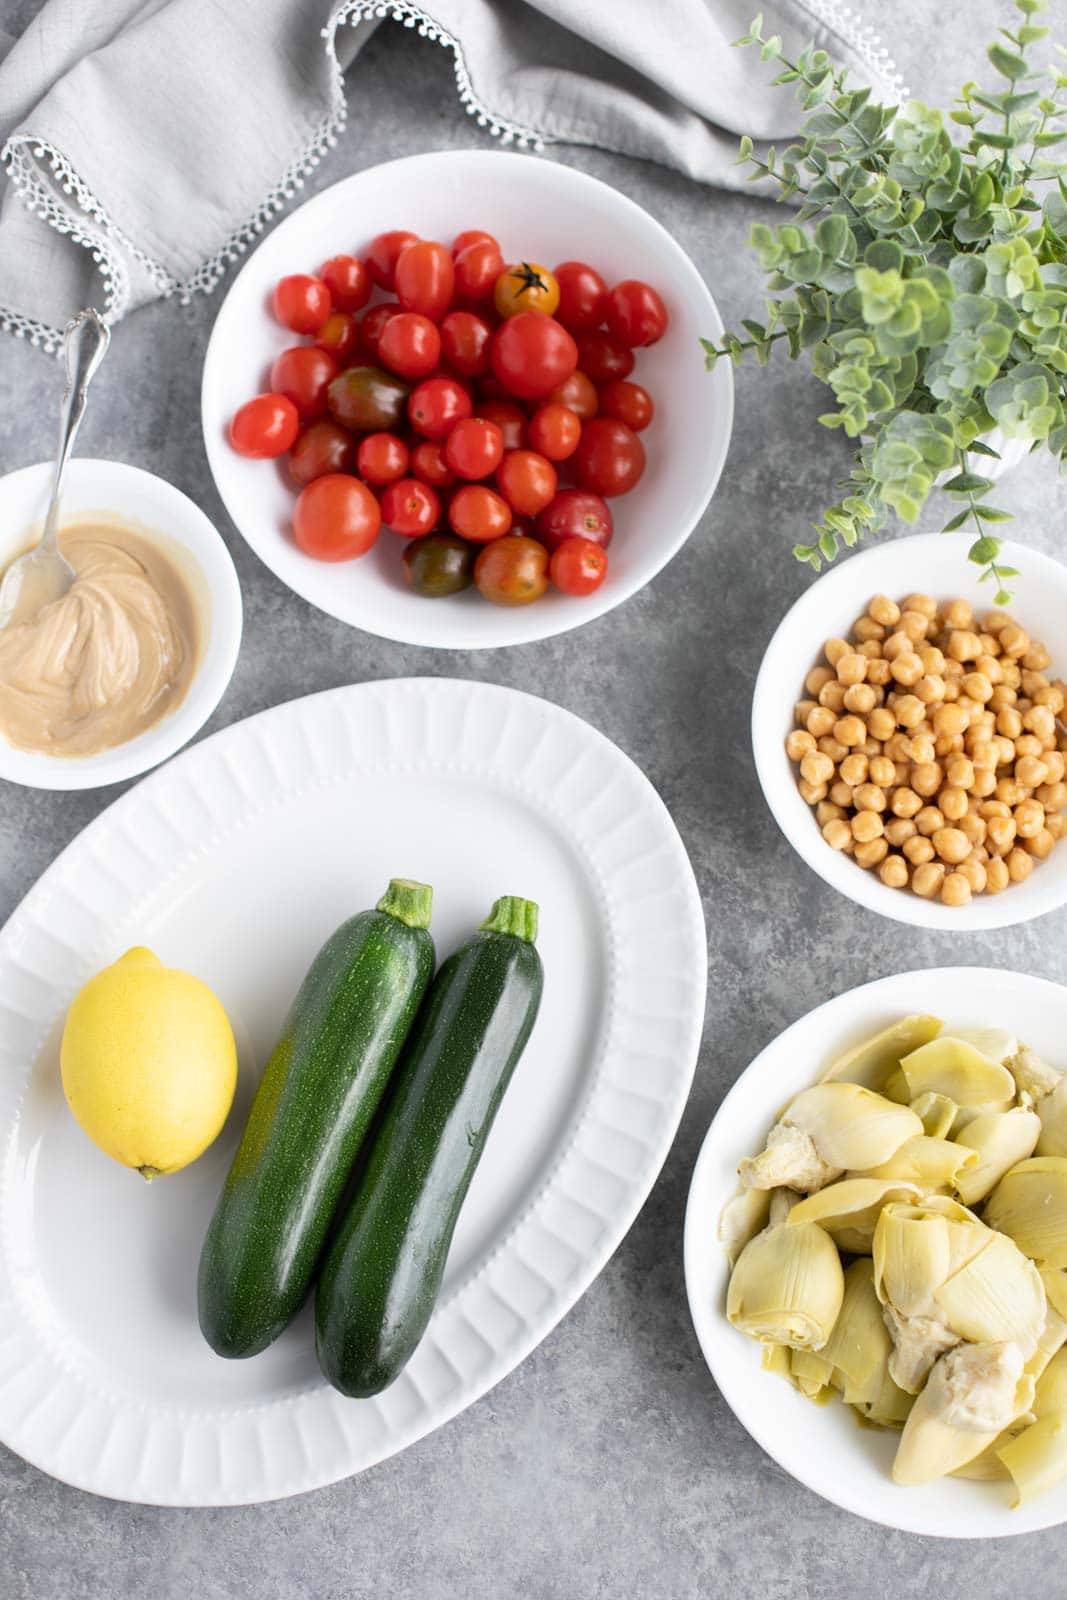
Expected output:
(869, 797)
(884, 610)
(870, 854)
(977, 686)
(853, 769)
(923, 603)
(834, 649)
(985, 782)
(1040, 845)
(990, 668)
(923, 749)
(837, 833)
(882, 771)
(915, 625)
(867, 825)
(866, 628)
(951, 845)
(963, 645)
(1040, 720)
(899, 829)
(1005, 750)
(974, 827)
(798, 744)
(1056, 823)
(860, 698)
(927, 879)
(929, 819)
(1014, 641)
(1028, 744)
(1032, 682)
(926, 778)
(931, 689)
(1037, 658)
(1002, 698)
(1029, 818)
(907, 669)
(905, 803)
(949, 720)
(841, 793)
(850, 731)
(995, 621)
(820, 721)
(817, 679)
(1019, 865)
(1009, 723)
(901, 775)
(811, 793)
(832, 695)
(909, 711)
(898, 748)
(918, 850)
(996, 876)
(931, 657)
(816, 768)
(1056, 766)
(955, 890)
(826, 812)
(1012, 675)
(802, 711)
(993, 808)
(948, 746)
(851, 668)
(881, 724)
(878, 672)
(959, 771)
(893, 872)
(1013, 794)
(957, 614)
(897, 644)
(1052, 696)
(833, 748)
(953, 802)
(1031, 771)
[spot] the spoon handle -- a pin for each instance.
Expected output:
(85, 343)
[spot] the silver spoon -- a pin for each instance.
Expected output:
(43, 574)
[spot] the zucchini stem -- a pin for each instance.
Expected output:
(510, 914)
(408, 902)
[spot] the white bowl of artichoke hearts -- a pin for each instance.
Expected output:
(876, 1251)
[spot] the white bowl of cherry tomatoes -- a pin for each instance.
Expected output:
(511, 419)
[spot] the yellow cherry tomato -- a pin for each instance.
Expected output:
(526, 286)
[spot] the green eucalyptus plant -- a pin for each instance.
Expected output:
(927, 278)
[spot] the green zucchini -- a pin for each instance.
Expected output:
(383, 1270)
(311, 1111)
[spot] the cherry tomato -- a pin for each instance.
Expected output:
(554, 431)
(367, 400)
(425, 279)
(471, 236)
(348, 281)
(304, 374)
(474, 448)
(525, 286)
(436, 405)
(323, 447)
(410, 344)
(509, 418)
(372, 325)
(339, 335)
(636, 314)
(575, 514)
(610, 457)
(439, 564)
(628, 403)
(512, 571)
(532, 354)
(527, 481)
(583, 297)
(301, 302)
(479, 513)
(410, 508)
(382, 458)
(603, 359)
(478, 266)
(264, 427)
(429, 465)
(383, 253)
(335, 518)
(578, 394)
(578, 566)
(465, 343)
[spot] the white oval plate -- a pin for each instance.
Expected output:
(235, 862)
(823, 1446)
(538, 209)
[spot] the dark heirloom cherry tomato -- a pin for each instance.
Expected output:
(527, 481)
(382, 458)
(410, 508)
(478, 266)
(511, 571)
(636, 314)
(425, 279)
(301, 302)
(575, 513)
(371, 326)
(366, 399)
(383, 253)
(428, 464)
(532, 354)
(478, 513)
(465, 343)
(525, 286)
(610, 458)
(578, 566)
(578, 394)
(474, 448)
(554, 431)
(348, 281)
(603, 358)
(264, 427)
(583, 297)
(438, 565)
(509, 418)
(628, 403)
(336, 518)
(303, 374)
(323, 447)
(410, 344)
(436, 405)
(471, 236)
(339, 335)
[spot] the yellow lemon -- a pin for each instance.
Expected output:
(149, 1063)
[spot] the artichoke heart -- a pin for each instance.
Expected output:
(930, 1164)
(1034, 1078)
(791, 1157)
(1029, 1204)
(999, 1139)
(1052, 1110)
(812, 1374)
(1050, 1388)
(936, 1112)
(787, 1287)
(742, 1217)
(996, 1297)
(858, 1348)
(852, 1128)
(973, 1393)
(917, 1343)
(1037, 1457)
(871, 1062)
(849, 1210)
(996, 1044)
(954, 1068)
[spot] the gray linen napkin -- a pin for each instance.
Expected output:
(147, 142)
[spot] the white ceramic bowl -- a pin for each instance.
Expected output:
(112, 487)
(822, 1446)
(538, 209)
(930, 563)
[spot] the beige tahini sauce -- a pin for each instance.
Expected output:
(109, 659)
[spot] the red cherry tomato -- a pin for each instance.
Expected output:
(429, 465)
(323, 447)
(436, 405)
(583, 297)
(348, 281)
(336, 518)
(575, 514)
(303, 374)
(478, 513)
(474, 448)
(264, 427)
(301, 302)
(478, 266)
(410, 508)
(339, 335)
(527, 481)
(532, 354)
(578, 394)
(425, 279)
(509, 418)
(383, 252)
(409, 344)
(372, 325)
(628, 403)
(554, 431)
(382, 458)
(465, 343)
(610, 458)
(603, 359)
(636, 314)
(511, 571)
(578, 566)
(472, 236)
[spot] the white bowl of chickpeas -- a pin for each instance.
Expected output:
(910, 738)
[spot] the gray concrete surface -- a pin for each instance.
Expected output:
(607, 1465)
